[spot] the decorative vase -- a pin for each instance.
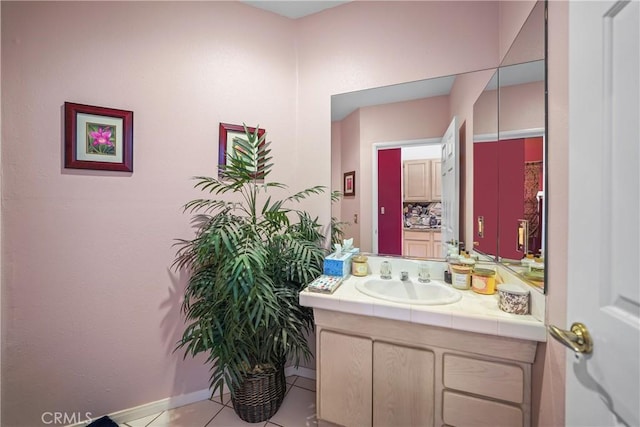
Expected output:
(260, 395)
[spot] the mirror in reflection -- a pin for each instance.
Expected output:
(509, 152)
(509, 164)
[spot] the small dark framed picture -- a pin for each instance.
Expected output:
(226, 145)
(349, 187)
(98, 138)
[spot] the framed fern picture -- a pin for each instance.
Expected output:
(227, 144)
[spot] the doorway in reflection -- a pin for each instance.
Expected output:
(407, 196)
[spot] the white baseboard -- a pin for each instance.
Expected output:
(154, 407)
(300, 371)
(185, 399)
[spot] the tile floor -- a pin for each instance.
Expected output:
(297, 410)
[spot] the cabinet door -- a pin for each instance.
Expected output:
(437, 244)
(436, 180)
(403, 386)
(345, 379)
(417, 174)
(417, 248)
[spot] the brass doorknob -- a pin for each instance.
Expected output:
(577, 339)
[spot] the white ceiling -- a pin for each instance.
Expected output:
(294, 9)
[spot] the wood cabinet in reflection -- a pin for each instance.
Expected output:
(422, 244)
(422, 180)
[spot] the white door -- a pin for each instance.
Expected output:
(450, 186)
(602, 388)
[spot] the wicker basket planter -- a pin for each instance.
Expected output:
(259, 397)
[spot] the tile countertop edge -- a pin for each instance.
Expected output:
(436, 315)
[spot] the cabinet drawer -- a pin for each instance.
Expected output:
(491, 379)
(468, 411)
(417, 235)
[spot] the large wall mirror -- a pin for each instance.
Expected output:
(392, 137)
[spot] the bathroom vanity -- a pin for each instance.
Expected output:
(384, 363)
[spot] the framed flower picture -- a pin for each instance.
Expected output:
(349, 187)
(98, 138)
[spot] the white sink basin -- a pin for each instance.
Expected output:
(410, 291)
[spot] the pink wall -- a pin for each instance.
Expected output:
(350, 161)
(512, 15)
(529, 44)
(485, 114)
(336, 159)
(90, 304)
(420, 118)
(80, 335)
(522, 107)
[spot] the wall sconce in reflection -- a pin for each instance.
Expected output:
(480, 226)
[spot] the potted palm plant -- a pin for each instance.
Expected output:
(249, 259)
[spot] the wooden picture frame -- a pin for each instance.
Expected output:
(225, 145)
(349, 184)
(98, 138)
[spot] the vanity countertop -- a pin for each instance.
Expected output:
(473, 312)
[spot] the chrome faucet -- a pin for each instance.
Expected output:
(404, 276)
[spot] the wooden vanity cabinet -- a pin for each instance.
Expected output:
(436, 180)
(422, 180)
(402, 385)
(417, 177)
(422, 244)
(379, 372)
(346, 380)
(366, 382)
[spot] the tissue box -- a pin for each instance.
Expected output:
(339, 264)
